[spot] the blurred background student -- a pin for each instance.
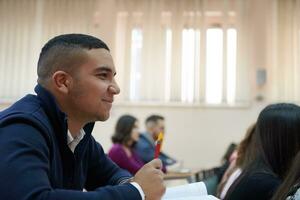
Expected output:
(278, 141)
(246, 152)
(145, 146)
(213, 176)
(124, 139)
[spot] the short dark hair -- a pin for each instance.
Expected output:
(154, 118)
(124, 126)
(64, 52)
(278, 130)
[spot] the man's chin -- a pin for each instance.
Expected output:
(103, 117)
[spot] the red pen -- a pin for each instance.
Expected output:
(158, 145)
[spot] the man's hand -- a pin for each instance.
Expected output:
(150, 178)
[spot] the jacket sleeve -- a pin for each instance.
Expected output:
(166, 159)
(24, 170)
(110, 173)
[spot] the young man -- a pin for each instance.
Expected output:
(145, 147)
(47, 151)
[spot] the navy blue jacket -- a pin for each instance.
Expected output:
(145, 148)
(37, 164)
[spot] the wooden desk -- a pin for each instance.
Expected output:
(192, 175)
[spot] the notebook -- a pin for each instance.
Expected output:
(193, 191)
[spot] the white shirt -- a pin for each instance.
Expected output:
(230, 181)
(74, 141)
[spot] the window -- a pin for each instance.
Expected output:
(231, 64)
(168, 53)
(216, 70)
(190, 62)
(136, 62)
(214, 65)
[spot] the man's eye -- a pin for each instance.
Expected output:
(102, 76)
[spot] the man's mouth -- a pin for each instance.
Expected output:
(108, 100)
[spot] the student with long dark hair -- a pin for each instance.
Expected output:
(277, 137)
(290, 188)
(125, 137)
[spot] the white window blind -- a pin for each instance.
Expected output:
(136, 62)
(214, 65)
(190, 62)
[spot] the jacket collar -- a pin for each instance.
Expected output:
(57, 118)
(148, 138)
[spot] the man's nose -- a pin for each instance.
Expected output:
(114, 88)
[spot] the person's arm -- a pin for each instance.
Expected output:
(24, 170)
(102, 170)
(149, 178)
(166, 159)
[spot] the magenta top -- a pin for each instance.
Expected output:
(119, 156)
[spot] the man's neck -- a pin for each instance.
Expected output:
(74, 123)
(150, 135)
(74, 127)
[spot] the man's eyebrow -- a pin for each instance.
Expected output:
(104, 69)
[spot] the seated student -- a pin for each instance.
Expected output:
(125, 137)
(212, 177)
(246, 152)
(277, 139)
(145, 146)
(47, 151)
(290, 188)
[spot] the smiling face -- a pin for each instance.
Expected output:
(93, 87)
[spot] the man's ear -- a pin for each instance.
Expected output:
(62, 81)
